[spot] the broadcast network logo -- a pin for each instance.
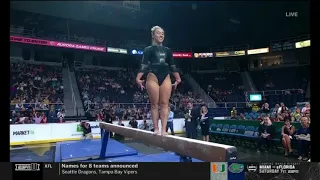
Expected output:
(252, 168)
(27, 167)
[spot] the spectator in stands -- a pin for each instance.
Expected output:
(306, 108)
(100, 116)
(61, 114)
(19, 106)
(44, 118)
(303, 138)
(287, 132)
(255, 108)
(265, 108)
(272, 117)
(148, 114)
(158, 82)
(37, 118)
(204, 123)
(33, 82)
(52, 116)
(282, 108)
(144, 125)
(18, 119)
(170, 122)
(132, 113)
(30, 108)
(28, 120)
(140, 114)
(242, 117)
(233, 112)
(61, 120)
(133, 122)
(307, 114)
(286, 115)
(266, 132)
(125, 115)
(275, 110)
(296, 115)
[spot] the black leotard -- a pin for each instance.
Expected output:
(159, 61)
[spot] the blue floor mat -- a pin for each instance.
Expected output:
(161, 157)
(90, 149)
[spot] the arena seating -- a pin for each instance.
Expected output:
(111, 85)
(251, 113)
(101, 88)
(222, 87)
(289, 97)
(281, 78)
(244, 130)
(245, 133)
(35, 87)
(286, 84)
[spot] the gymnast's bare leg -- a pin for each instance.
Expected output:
(165, 93)
(153, 92)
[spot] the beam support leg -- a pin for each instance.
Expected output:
(105, 135)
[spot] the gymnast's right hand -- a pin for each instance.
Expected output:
(140, 84)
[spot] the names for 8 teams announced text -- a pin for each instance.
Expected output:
(98, 169)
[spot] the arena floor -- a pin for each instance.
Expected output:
(46, 153)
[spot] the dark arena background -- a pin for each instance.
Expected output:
(76, 62)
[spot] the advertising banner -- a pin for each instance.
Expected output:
(43, 42)
(303, 44)
(29, 132)
(20, 133)
(182, 55)
(203, 55)
(230, 53)
(258, 51)
(117, 50)
(53, 132)
(136, 52)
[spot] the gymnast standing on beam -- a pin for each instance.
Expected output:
(157, 62)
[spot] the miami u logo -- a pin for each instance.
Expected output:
(218, 168)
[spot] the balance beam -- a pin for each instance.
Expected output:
(205, 151)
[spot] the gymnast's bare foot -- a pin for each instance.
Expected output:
(156, 132)
(164, 133)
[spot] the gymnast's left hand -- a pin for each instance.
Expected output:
(176, 83)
